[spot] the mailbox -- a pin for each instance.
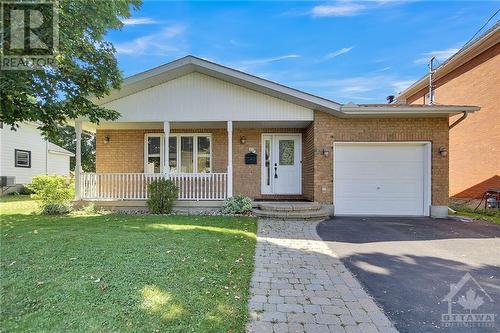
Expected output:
(250, 158)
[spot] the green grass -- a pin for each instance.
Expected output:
(488, 216)
(119, 273)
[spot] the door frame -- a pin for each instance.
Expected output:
(427, 186)
(262, 162)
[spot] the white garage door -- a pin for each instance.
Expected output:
(380, 179)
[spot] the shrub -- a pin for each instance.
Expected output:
(52, 191)
(55, 209)
(238, 204)
(90, 208)
(162, 194)
(25, 191)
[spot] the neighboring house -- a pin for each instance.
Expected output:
(470, 77)
(25, 153)
(217, 132)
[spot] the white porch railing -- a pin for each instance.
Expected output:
(134, 186)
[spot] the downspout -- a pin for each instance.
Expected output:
(455, 123)
(459, 120)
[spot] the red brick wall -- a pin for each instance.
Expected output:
(328, 129)
(474, 143)
(125, 153)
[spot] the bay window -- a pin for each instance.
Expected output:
(187, 153)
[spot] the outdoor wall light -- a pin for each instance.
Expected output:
(243, 140)
(325, 152)
(443, 151)
(106, 140)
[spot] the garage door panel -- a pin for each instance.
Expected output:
(383, 179)
(379, 153)
(368, 170)
(371, 187)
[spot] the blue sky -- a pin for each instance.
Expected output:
(358, 51)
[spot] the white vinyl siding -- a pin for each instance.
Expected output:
(58, 164)
(201, 97)
(28, 138)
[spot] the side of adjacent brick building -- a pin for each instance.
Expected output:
(475, 142)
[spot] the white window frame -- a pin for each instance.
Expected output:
(178, 139)
(146, 150)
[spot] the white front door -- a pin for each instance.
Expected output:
(281, 164)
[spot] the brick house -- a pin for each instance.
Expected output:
(470, 77)
(217, 132)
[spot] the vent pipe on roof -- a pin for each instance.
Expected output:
(430, 100)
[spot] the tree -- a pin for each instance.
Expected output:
(65, 137)
(85, 66)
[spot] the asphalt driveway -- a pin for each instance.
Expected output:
(408, 264)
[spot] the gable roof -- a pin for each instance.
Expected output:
(189, 64)
(470, 50)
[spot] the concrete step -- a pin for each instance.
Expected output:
(319, 214)
(289, 206)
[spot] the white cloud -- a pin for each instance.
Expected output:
(158, 43)
(139, 21)
(338, 52)
(237, 43)
(339, 9)
(441, 55)
(264, 61)
(399, 86)
(373, 87)
(383, 69)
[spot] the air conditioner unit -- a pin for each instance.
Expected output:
(7, 181)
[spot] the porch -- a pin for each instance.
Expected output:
(207, 161)
(134, 186)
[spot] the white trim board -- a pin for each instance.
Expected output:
(178, 135)
(262, 162)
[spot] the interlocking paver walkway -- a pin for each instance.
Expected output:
(299, 285)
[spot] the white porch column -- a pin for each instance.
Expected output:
(166, 135)
(229, 158)
(78, 164)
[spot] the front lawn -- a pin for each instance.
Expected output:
(121, 273)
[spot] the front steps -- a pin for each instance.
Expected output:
(291, 211)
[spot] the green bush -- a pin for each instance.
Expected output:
(90, 208)
(25, 191)
(55, 209)
(52, 191)
(238, 204)
(162, 194)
